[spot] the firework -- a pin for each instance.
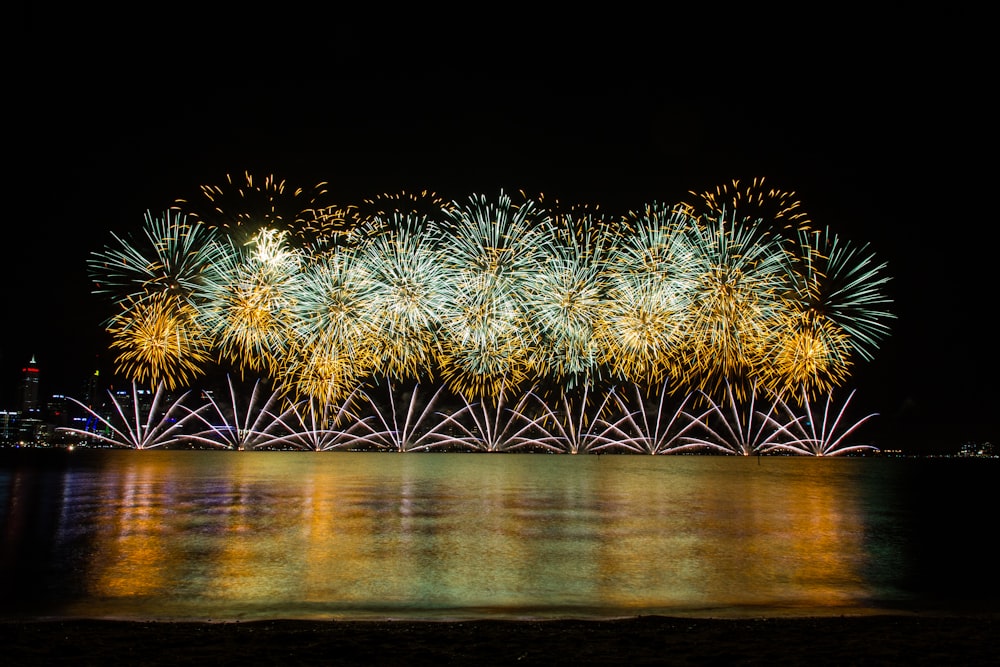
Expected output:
(330, 326)
(734, 425)
(651, 278)
(844, 283)
(158, 340)
(643, 430)
(247, 302)
(383, 207)
(390, 427)
(574, 426)
(564, 299)
(244, 205)
(810, 433)
(169, 259)
(752, 202)
(711, 301)
(741, 271)
(311, 424)
(490, 252)
(406, 292)
(491, 424)
(133, 427)
(231, 425)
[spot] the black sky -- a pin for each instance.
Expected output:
(887, 139)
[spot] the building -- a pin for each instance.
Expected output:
(28, 390)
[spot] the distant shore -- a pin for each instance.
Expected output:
(646, 640)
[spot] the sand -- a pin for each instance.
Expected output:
(647, 640)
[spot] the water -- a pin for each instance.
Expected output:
(341, 535)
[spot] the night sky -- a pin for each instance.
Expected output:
(885, 139)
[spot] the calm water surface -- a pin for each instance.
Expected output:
(340, 535)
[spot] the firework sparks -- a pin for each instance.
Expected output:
(250, 203)
(752, 202)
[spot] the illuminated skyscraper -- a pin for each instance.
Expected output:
(28, 392)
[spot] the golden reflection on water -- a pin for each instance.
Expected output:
(217, 534)
(134, 558)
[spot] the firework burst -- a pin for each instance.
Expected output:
(158, 340)
(565, 298)
(248, 302)
(741, 272)
(243, 206)
(406, 291)
(169, 259)
(490, 296)
(651, 277)
(490, 252)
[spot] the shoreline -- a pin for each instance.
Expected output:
(880, 639)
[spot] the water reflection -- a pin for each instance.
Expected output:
(164, 534)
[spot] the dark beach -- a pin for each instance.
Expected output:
(854, 640)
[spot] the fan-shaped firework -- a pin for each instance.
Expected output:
(645, 430)
(810, 433)
(232, 425)
(413, 427)
(311, 424)
(573, 425)
(491, 424)
(133, 425)
(734, 425)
